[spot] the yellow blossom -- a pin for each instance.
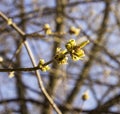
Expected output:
(70, 44)
(1, 59)
(77, 55)
(85, 96)
(46, 26)
(83, 44)
(60, 56)
(47, 29)
(59, 20)
(43, 67)
(9, 21)
(11, 74)
(75, 31)
(75, 50)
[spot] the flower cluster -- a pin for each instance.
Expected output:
(75, 50)
(43, 67)
(60, 56)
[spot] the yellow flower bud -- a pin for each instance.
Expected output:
(59, 20)
(1, 59)
(41, 61)
(11, 74)
(75, 50)
(43, 67)
(77, 54)
(83, 44)
(46, 26)
(75, 31)
(60, 56)
(48, 32)
(10, 21)
(47, 29)
(70, 44)
(85, 96)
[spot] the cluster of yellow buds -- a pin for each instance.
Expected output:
(60, 56)
(47, 29)
(75, 50)
(43, 67)
(75, 31)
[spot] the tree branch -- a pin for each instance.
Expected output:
(27, 46)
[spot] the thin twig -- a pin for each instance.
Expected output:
(22, 33)
(19, 69)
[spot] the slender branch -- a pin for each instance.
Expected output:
(27, 46)
(83, 2)
(19, 69)
(104, 107)
(27, 69)
(71, 109)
